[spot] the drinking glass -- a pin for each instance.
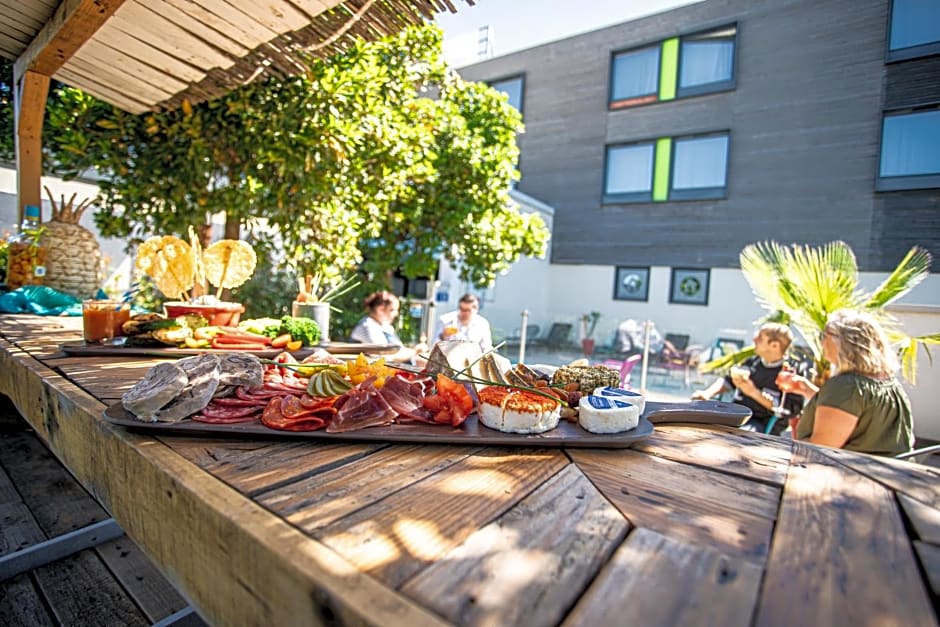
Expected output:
(102, 320)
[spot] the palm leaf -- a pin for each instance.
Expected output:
(726, 361)
(913, 269)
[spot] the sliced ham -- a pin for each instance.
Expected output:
(361, 407)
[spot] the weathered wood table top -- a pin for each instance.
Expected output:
(693, 526)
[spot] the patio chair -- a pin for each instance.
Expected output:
(625, 367)
(557, 336)
(681, 355)
(531, 333)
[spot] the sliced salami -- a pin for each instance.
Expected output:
(226, 420)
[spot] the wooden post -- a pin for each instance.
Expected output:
(29, 109)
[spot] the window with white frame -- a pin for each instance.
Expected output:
(910, 151)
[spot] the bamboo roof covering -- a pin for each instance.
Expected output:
(143, 55)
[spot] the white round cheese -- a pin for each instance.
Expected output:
(620, 394)
(604, 414)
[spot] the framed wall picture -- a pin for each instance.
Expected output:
(631, 283)
(689, 286)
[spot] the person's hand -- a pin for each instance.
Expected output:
(747, 387)
(699, 395)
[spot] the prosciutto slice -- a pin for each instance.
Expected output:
(361, 407)
(406, 397)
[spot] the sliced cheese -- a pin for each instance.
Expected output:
(603, 414)
(634, 398)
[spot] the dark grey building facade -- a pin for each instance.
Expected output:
(679, 138)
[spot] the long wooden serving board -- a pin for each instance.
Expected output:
(567, 434)
(100, 350)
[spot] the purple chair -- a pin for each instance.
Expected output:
(625, 367)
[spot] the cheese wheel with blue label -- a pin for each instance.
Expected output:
(634, 398)
(603, 414)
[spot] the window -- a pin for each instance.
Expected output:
(706, 62)
(678, 67)
(910, 158)
(914, 30)
(513, 88)
(684, 168)
(629, 175)
(635, 77)
(700, 167)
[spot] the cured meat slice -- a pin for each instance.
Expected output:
(241, 369)
(160, 385)
(257, 393)
(238, 402)
(361, 407)
(227, 420)
(274, 418)
(404, 396)
(229, 412)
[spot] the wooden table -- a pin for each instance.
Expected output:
(694, 526)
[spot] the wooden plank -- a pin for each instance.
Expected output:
(729, 450)
(925, 519)
(257, 557)
(57, 501)
(399, 536)
(840, 555)
(918, 481)
(124, 72)
(560, 535)
(254, 467)
(29, 108)
(21, 604)
(145, 23)
(251, 38)
(205, 29)
(716, 488)
(929, 555)
(276, 15)
(655, 580)
(238, 22)
(74, 23)
(694, 506)
(80, 586)
(33, 13)
(19, 529)
(325, 498)
(114, 38)
(152, 593)
(99, 89)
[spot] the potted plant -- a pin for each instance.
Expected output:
(588, 325)
(315, 299)
(802, 285)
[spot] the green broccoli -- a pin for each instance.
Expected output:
(303, 329)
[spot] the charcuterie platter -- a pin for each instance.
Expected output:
(102, 350)
(471, 432)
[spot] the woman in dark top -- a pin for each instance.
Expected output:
(863, 406)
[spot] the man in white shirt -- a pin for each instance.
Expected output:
(465, 324)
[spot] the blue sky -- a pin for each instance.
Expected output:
(519, 24)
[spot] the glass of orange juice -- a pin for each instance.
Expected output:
(449, 331)
(102, 320)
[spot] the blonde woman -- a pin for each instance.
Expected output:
(862, 407)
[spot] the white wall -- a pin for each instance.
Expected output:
(923, 320)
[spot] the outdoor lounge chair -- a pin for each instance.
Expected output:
(557, 336)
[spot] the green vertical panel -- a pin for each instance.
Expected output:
(668, 69)
(661, 169)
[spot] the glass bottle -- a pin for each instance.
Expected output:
(26, 257)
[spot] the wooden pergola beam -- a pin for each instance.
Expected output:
(74, 23)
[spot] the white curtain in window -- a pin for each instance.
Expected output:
(910, 144)
(630, 169)
(914, 23)
(636, 73)
(700, 163)
(705, 62)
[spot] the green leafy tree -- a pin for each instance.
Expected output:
(348, 165)
(7, 146)
(802, 285)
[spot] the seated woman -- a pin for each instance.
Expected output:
(376, 327)
(863, 406)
